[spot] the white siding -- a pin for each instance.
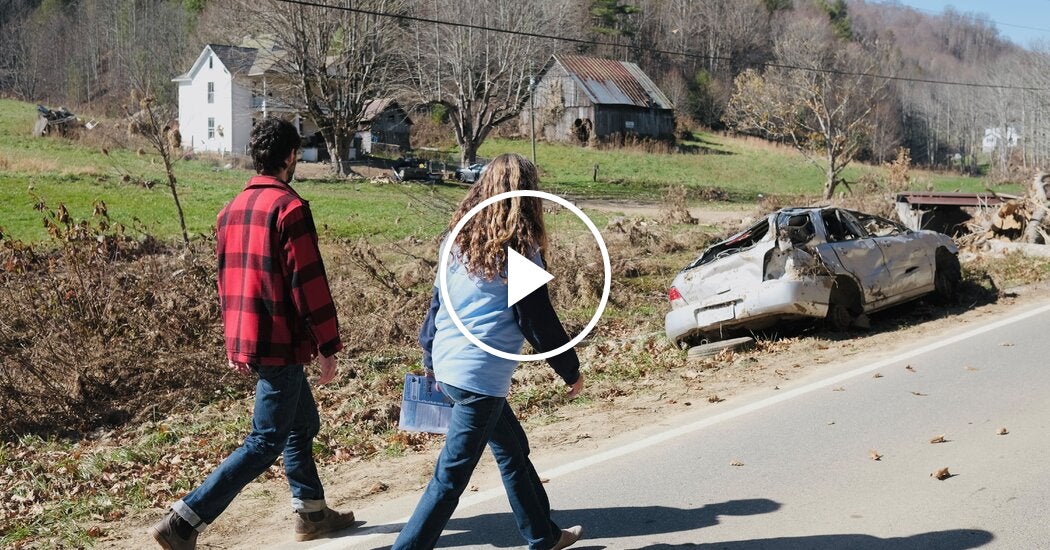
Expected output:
(241, 123)
(194, 109)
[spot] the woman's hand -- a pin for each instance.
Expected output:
(576, 388)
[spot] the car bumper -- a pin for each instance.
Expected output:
(752, 307)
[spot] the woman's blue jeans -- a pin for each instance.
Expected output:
(284, 420)
(478, 420)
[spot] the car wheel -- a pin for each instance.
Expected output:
(947, 276)
(843, 306)
(704, 351)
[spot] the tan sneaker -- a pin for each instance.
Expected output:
(569, 537)
(331, 522)
(167, 536)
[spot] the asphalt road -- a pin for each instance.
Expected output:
(792, 469)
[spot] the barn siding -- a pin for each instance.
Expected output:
(606, 120)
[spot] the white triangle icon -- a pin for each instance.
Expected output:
(523, 277)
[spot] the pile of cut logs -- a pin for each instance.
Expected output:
(1019, 224)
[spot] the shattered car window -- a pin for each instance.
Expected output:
(737, 243)
(879, 227)
(840, 226)
(797, 228)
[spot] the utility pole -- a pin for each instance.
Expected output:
(532, 114)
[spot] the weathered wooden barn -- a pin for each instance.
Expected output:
(384, 122)
(582, 99)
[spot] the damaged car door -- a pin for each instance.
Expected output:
(911, 267)
(850, 250)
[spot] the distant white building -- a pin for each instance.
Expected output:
(224, 93)
(994, 138)
(229, 88)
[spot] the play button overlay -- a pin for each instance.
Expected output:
(523, 276)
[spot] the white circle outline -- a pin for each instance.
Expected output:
(446, 251)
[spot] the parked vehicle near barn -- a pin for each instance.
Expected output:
(821, 263)
(469, 174)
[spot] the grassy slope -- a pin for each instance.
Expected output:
(76, 174)
(744, 168)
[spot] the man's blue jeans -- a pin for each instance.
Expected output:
(476, 420)
(284, 420)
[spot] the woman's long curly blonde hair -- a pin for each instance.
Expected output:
(515, 223)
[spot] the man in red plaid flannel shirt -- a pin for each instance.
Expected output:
(278, 315)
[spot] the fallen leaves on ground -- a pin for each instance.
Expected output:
(874, 455)
(736, 463)
(877, 375)
(909, 368)
(1002, 431)
(920, 394)
(938, 439)
(714, 399)
(941, 474)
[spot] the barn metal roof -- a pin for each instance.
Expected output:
(610, 82)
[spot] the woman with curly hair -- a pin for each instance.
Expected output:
(477, 382)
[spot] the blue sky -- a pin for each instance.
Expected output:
(1022, 21)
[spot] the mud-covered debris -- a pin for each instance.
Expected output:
(941, 474)
(715, 399)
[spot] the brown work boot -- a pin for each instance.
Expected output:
(312, 525)
(569, 537)
(174, 533)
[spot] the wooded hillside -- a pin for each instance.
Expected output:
(952, 77)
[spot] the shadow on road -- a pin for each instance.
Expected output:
(955, 539)
(499, 530)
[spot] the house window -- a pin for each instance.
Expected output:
(211, 128)
(211, 92)
(211, 62)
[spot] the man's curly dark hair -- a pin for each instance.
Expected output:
(271, 142)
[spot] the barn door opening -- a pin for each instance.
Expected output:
(581, 129)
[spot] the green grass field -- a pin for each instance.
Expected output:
(76, 174)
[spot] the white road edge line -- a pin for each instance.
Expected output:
(673, 433)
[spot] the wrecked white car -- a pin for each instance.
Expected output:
(798, 263)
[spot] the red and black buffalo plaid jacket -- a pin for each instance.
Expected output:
(276, 305)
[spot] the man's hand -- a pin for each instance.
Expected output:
(576, 388)
(240, 368)
(328, 369)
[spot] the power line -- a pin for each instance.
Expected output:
(417, 19)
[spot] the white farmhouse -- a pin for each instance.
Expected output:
(224, 93)
(994, 138)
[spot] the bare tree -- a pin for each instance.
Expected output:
(336, 61)
(481, 77)
(823, 108)
(149, 122)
